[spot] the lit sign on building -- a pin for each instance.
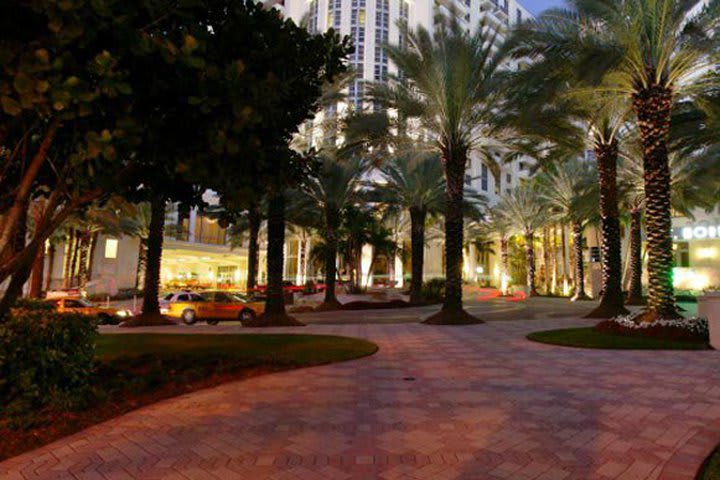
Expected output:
(696, 232)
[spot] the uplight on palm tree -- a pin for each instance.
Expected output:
(524, 209)
(569, 189)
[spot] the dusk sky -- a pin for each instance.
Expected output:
(537, 6)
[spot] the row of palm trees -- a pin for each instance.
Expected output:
(606, 76)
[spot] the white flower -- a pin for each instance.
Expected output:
(696, 325)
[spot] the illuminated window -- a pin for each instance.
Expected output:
(111, 248)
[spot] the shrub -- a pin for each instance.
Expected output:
(309, 288)
(688, 329)
(45, 357)
(33, 304)
(433, 291)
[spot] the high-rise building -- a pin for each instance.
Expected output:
(372, 23)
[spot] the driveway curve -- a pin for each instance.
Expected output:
(476, 402)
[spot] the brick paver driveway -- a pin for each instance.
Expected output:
(436, 403)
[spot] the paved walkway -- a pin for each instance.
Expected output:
(437, 403)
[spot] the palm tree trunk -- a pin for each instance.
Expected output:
(332, 221)
(36, 280)
(504, 258)
(275, 314)
(546, 261)
(141, 263)
(653, 107)
(530, 259)
(254, 221)
(417, 251)
(454, 236)
(151, 305)
(91, 254)
(74, 260)
(611, 302)
(83, 259)
(635, 296)
(556, 263)
(51, 264)
(452, 310)
(566, 267)
(579, 265)
(67, 267)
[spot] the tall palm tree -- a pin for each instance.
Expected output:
(336, 187)
(524, 209)
(449, 83)
(651, 53)
(569, 190)
(693, 183)
(415, 184)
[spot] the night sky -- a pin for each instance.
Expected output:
(537, 6)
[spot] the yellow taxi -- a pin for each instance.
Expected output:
(212, 306)
(105, 315)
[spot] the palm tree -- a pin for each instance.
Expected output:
(650, 53)
(246, 228)
(565, 121)
(524, 209)
(693, 183)
(498, 224)
(569, 190)
(449, 82)
(414, 184)
(330, 193)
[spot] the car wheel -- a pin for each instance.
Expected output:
(213, 321)
(247, 317)
(104, 319)
(189, 316)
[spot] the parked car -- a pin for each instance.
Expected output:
(212, 306)
(106, 315)
(288, 286)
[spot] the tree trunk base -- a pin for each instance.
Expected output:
(650, 316)
(328, 306)
(636, 301)
(452, 317)
(148, 320)
(607, 311)
(275, 320)
(581, 297)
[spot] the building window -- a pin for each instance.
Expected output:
(518, 15)
(484, 178)
(508, 178)
(111, 248)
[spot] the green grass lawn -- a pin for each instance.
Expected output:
(134, 370)
(261, 349)
(589, 337)
(712, 469)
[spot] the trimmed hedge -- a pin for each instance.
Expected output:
(45, 357)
